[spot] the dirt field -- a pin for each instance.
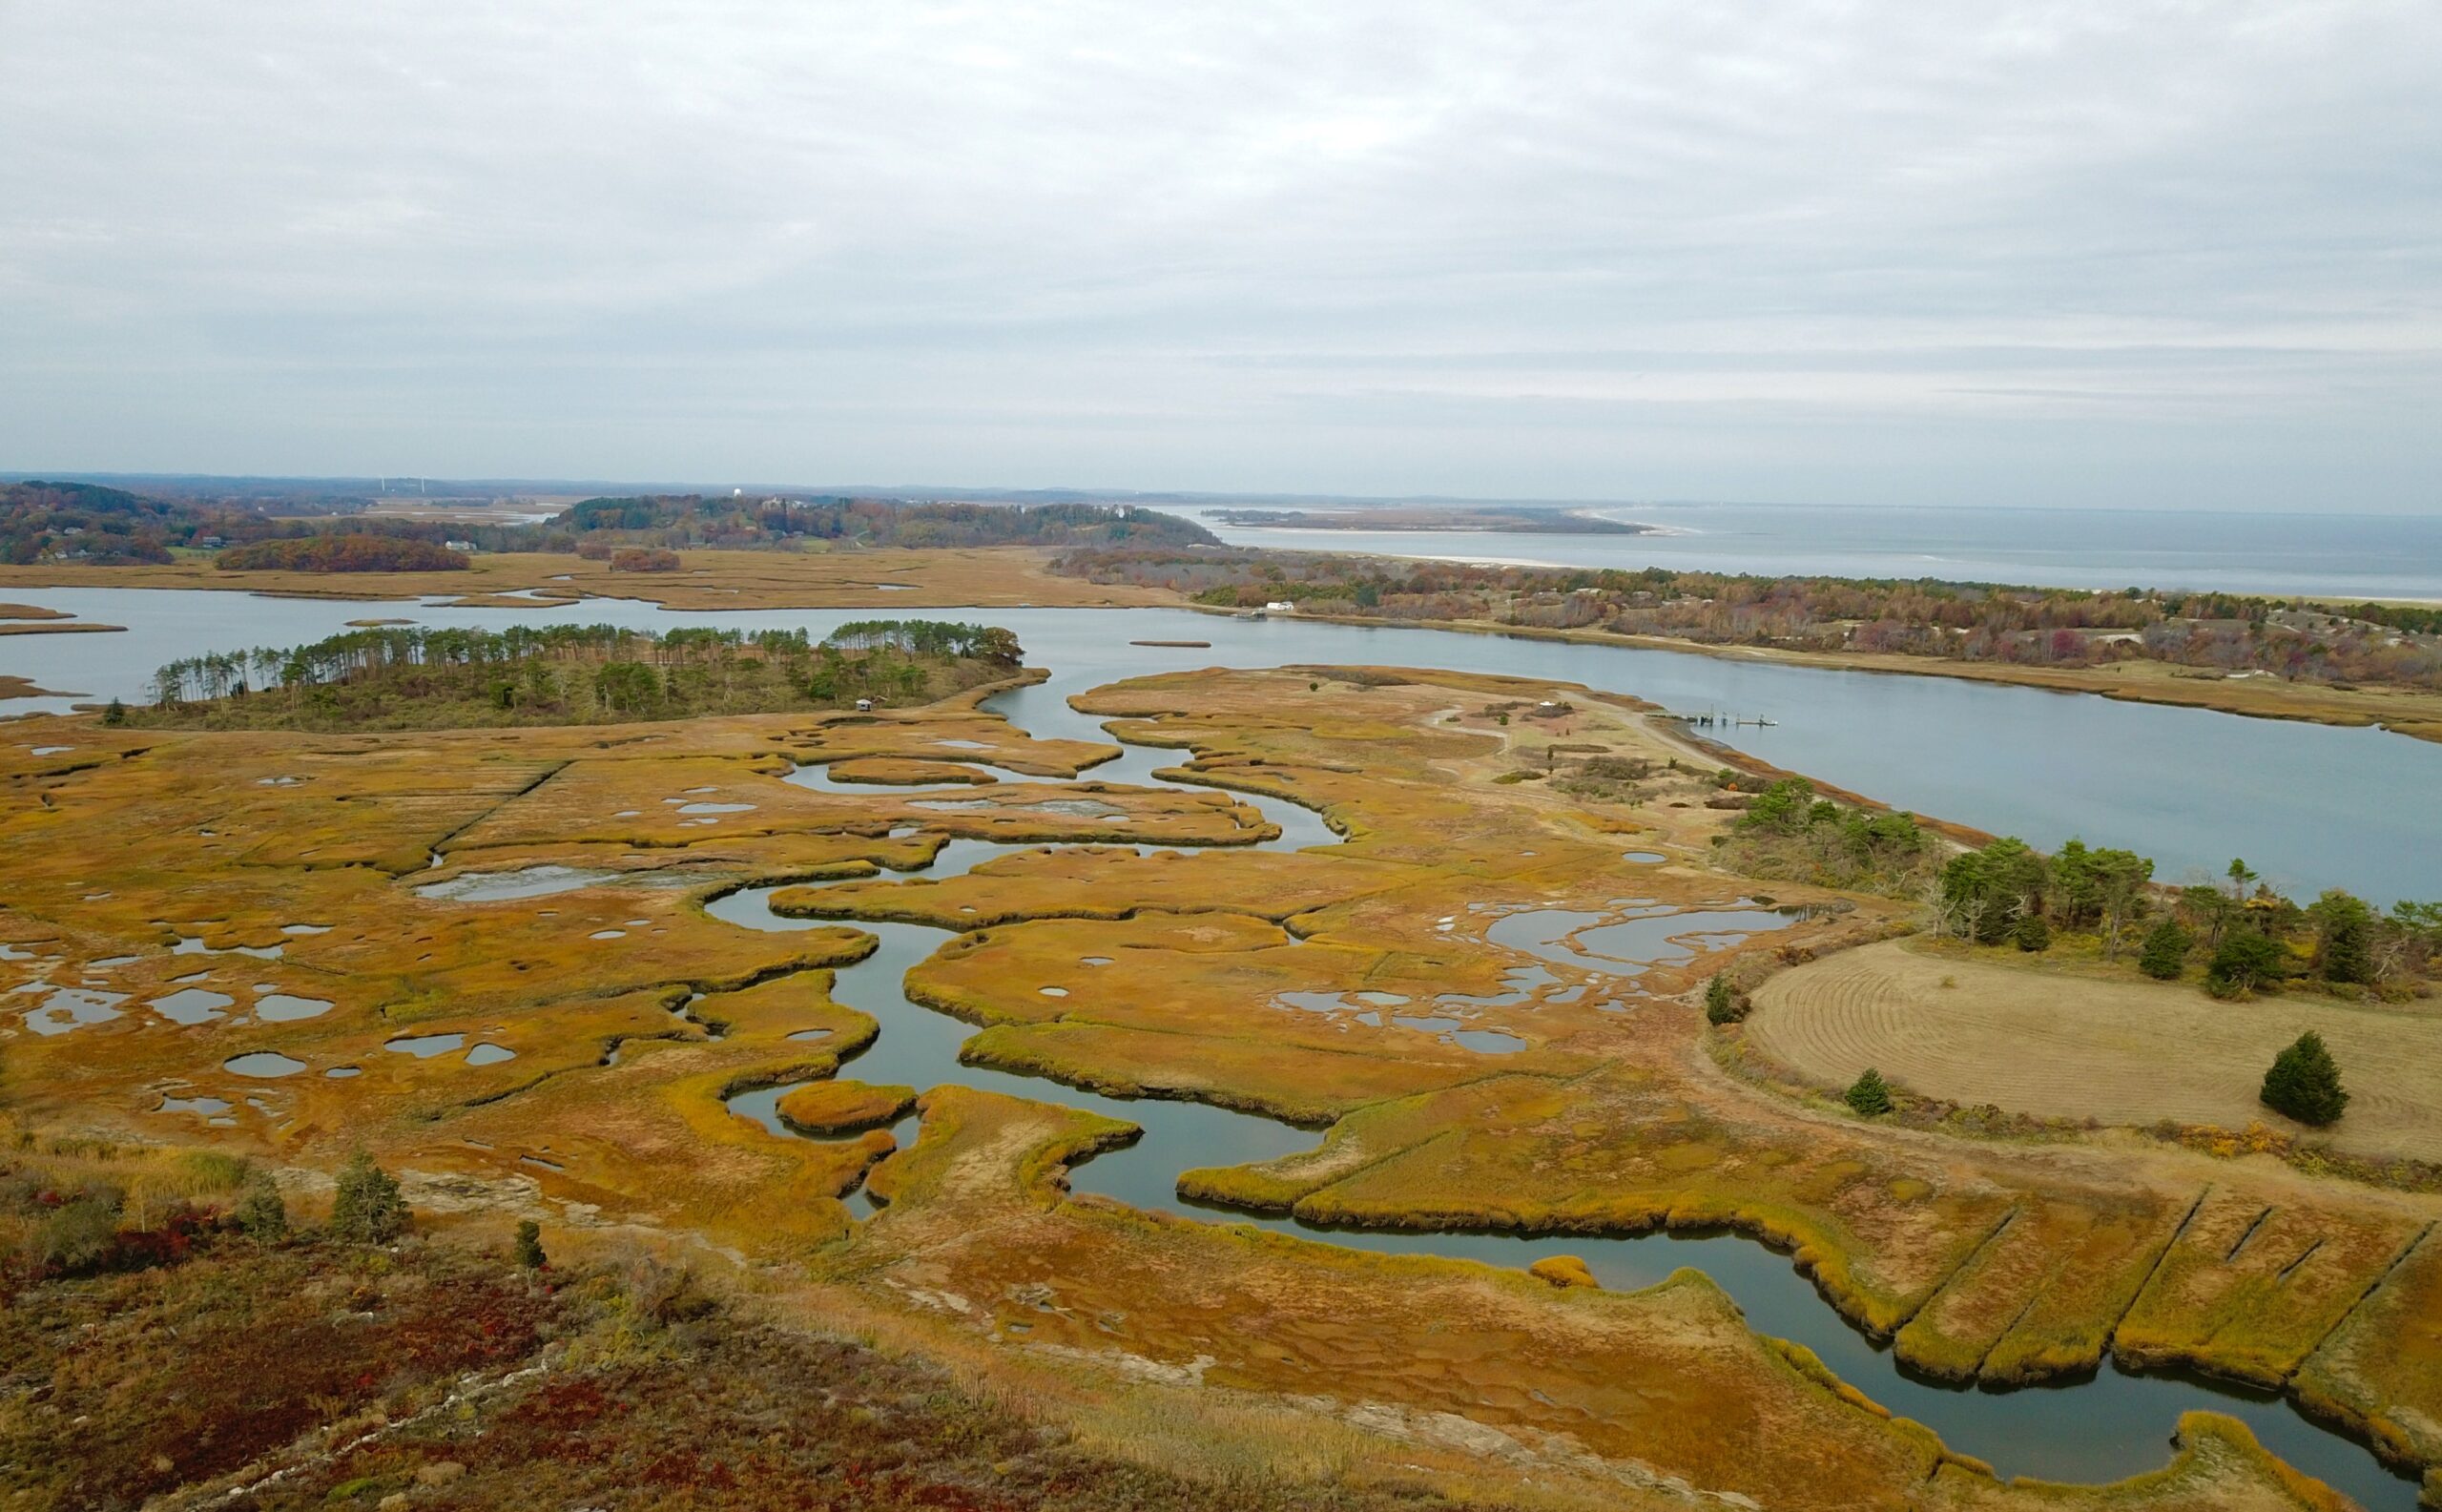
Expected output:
(2036, 1041)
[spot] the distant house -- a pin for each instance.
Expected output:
(210, 543)
(865, 706)
(459, 545)
(1280, 606)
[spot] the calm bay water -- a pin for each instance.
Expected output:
(2323, 554)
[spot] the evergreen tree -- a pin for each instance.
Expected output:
(529, 1245)
(1721, 1004)
(259, 1214)
(2032, 935)
(116, 714)
(2207, 912)
(368, 1208)
(2303, 1083)
(2166, 953)
(1784, 807)
(1868, 1094)
(1988, 891)
(2246, 961)
(2345, 938)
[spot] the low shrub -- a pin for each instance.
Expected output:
(1723, 1003)
(367, 1208)
(2164, 956)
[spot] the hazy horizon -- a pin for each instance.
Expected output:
(2092, 257)
(401, 487)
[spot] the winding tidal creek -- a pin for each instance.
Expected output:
(2109, 1425)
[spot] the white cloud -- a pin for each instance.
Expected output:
(2068, 252)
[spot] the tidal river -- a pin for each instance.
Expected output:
(2308, 806)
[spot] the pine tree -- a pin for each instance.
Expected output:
(2245, 961)
(2345, 946)
(2303, 1083)
(2032, 935)
(529, 1245)
(116, 714)
(368, 1208)
(259, 1214)
(1868, 1094)
(1721, 1004)
(2166, 953)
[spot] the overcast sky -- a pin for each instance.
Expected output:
(2109, 253)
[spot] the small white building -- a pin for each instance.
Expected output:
(1280, 606)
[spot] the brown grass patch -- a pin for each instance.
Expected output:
(2037, 1042)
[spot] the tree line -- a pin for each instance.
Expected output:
(342, 551)
(1926, 617)
(400, 676)
(2248, 937)
(87, 522)
(691, 519)
(94, 524)
(2243, 935)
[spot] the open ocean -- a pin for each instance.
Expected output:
(2323, 554)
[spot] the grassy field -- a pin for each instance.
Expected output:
(2045, 1043)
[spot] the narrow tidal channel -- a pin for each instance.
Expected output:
(2111, 1425)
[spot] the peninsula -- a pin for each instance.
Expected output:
(1479, 518)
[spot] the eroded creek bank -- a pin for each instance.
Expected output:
(2109, 1425)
